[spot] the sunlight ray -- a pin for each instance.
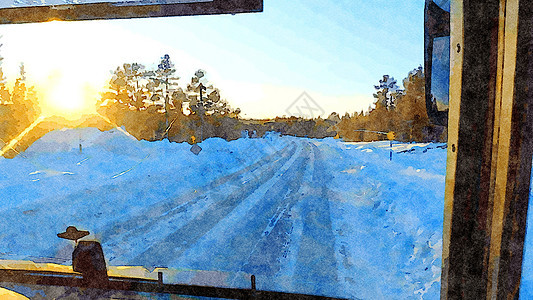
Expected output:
(14, 141)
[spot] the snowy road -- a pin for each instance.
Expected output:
(308, 216)
(244, 222)
(159, 226)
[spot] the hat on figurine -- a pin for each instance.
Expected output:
(72, 233)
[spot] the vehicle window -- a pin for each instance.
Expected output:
(294, 145)
(440, 83)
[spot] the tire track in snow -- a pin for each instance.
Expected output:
(246, 246)
(176, 243)
(169, 207)
(267, 258)
(195, 258)
(284, 278)
(316, 266)
(152, 233)
(260, 241)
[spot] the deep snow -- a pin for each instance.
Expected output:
(311, 216)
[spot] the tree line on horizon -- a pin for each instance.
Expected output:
(401, 111)
(151, 105)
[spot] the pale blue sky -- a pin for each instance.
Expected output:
(333, 45)
(334, 50)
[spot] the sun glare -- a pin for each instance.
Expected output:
(64, 95)
(64, 62)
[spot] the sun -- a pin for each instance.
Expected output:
(65, 62)
(67, 95)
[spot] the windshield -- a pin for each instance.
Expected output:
(292, 144)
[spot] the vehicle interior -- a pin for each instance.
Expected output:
(477, 90)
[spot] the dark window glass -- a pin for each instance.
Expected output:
(440, 79)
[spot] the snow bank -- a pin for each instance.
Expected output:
(52, 185)
(389, 218)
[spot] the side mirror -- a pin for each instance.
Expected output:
(437, 59)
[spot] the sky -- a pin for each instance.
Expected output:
(334, 51)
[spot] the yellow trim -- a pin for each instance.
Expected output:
(456, 76)
(504, 140)
(6, 294)
(493, 265)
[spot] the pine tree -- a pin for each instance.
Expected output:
(386, 92)
(5, 95)
(411, 106)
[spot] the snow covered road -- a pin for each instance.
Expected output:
(235, 227)
(308, 216)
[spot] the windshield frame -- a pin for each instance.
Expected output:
(110, 10)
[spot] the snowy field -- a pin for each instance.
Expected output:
(309, 216)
